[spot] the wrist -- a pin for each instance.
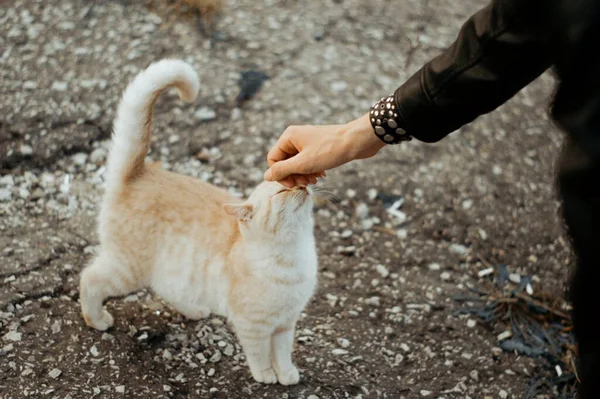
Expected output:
(359, 139)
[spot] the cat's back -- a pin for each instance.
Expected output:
(160, 199)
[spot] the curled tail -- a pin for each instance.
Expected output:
(131, 132)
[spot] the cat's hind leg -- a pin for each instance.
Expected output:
(104, 278)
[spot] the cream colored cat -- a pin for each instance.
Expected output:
(195, 245)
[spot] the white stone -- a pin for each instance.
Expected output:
(30, 85)
(372, 194)
(13, 336)
(26, 149)
(205, 114)
(60, 86)
(474, 375)
(80, 158)
(505, 335)
(5, 194)
(54, 373)
(485, 272)
(362, 210)
(458, 249)
(382, 270)
(434, 266)
(373, 301)
(339, 352)
(339, 86)
(236, 114)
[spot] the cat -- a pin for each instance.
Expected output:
(204, 251)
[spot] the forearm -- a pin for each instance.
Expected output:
(498, 51)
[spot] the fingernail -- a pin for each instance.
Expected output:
(268, 175)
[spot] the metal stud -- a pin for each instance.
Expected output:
(379, 130)
(392, 123)
(389, 138)
(400, 131)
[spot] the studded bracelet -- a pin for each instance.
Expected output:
(384, 119)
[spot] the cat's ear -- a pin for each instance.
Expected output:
(242, 212)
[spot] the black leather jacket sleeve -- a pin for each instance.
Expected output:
(499, 50)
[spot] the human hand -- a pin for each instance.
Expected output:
(304, 153)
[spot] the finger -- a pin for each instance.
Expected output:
(291, 166)
(288, 182)
(302, 180)
(312, 179)
(282, 150)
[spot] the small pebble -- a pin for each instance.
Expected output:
(382, 270)
(372, 301)
(434, 266)
(12, 336)
(458, 249)
(504, 335)
(26, 149)
(471, 323)
(54, 373)
(339, 352)
(59, 86)
(474, 375)
(205, 114)
(485, 272)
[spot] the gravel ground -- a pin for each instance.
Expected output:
(383, 323)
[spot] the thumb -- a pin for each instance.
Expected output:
(282, 169)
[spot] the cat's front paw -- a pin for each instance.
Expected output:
(267, 376)
(289, 376)
(102, 324)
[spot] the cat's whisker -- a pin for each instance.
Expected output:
(323, 194)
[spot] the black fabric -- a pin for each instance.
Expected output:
(500, 50)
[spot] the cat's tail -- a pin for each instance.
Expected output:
(132, 126)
